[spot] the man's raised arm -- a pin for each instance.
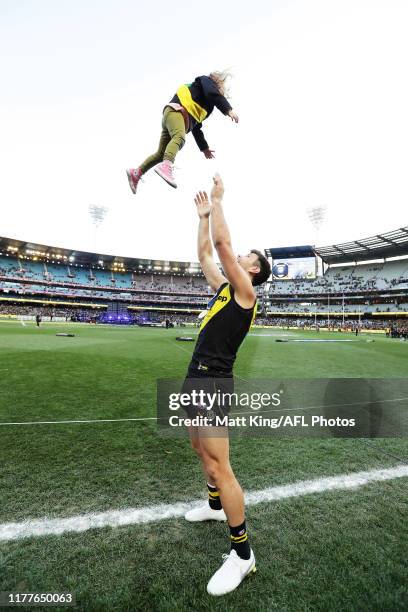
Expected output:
(238, 278)
(204, 247)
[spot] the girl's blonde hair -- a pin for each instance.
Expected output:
(221, 78)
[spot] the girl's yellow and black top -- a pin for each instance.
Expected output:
(198, 99)
(221, 333)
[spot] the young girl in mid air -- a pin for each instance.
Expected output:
(185, 113)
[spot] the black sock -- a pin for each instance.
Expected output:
(214, 497)
(239, 541)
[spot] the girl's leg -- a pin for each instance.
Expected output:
(173, 122)
(172, 139)
(157, 157)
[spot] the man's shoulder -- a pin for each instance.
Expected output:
(247, 302)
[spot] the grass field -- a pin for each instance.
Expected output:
(334, 550)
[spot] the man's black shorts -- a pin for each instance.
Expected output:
(212, 395)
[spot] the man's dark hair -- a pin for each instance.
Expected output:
(265, 269)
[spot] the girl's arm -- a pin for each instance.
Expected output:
(201, 141)
(198, 134)
(233, 116)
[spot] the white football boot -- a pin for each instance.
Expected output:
(231, 573)
(205, 513)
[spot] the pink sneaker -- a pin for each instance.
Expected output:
(165, 170)
(134, 177)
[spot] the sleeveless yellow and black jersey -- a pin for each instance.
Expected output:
(222, 331)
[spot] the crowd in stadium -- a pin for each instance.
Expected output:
(285, 300)
(72, 276)
(338, 306)
(349, 279)
(350, 324)
(335, 280)
(56, 291)
(396, 329)
(399, 330)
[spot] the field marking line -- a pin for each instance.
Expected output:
(253, 412)
(180, 347)
(326, 340)
(148, 514)
(81, 421)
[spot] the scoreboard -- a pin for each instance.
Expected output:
(290, 263)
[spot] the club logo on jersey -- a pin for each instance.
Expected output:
(217, 303)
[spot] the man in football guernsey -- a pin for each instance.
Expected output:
(228, 320)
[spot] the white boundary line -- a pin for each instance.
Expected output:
(133, 516)
(80, 421)
(253, 412)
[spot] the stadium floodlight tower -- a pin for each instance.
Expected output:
(97, 214)
(317, 215)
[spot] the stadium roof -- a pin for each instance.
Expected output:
(381, 246)
(288, 252)
(390, 244)
(41, 252)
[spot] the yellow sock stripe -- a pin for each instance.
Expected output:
(213, 493)
(239, 539)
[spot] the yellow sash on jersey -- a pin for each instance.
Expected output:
(254, 314)
(191, 107)
(222, 300)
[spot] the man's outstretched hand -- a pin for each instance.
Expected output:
(209, 153)
(203, 204)
(233, 115)
(217, 191)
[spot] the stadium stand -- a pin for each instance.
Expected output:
(353, 289)
(349, 279)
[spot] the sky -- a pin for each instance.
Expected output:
(320, 87)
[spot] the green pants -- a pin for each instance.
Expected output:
(172, 139)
